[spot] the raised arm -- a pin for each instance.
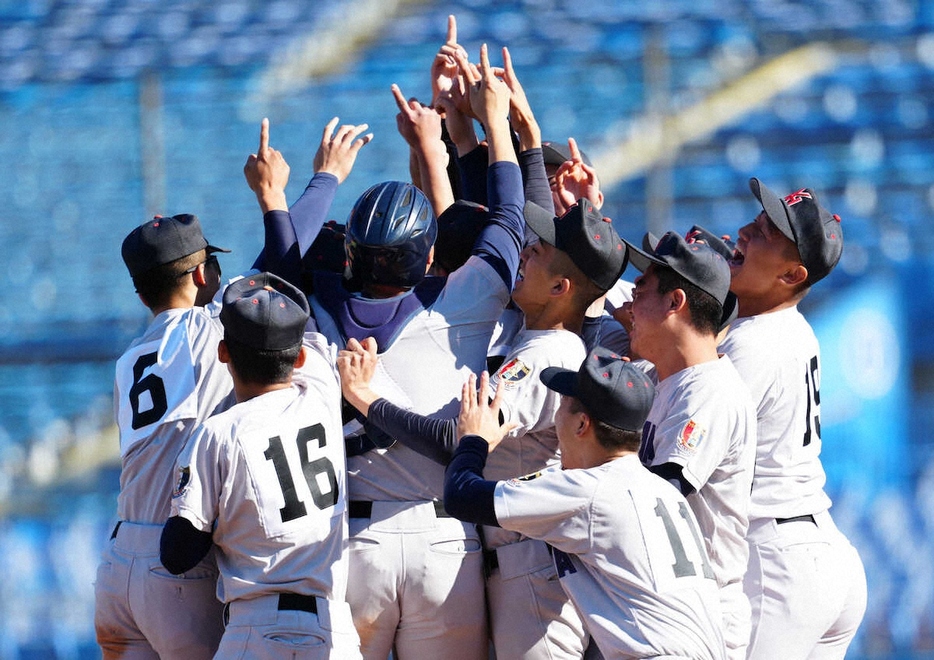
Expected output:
(420, 126)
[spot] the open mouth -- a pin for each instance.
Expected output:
(738, 258)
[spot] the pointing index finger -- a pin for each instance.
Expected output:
(400, 99)
(263, 136)
(452, 29)
(575, 152)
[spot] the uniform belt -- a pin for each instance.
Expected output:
(364, 509)
(286, 601)
(805, 518)
(290, 601)
(491, 559)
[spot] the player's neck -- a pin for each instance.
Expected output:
(246, 391)
(554, 317)
(686, 351)
(756, 306)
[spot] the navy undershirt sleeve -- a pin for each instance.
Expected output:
(289, 235)
(500, 242)
(535, 178)
(433, 438)
(467, 495)
(472, 166)
(673, 474)
(181, 546)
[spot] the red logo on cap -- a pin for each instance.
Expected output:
(796, 197)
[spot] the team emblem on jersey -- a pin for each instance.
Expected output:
(691, 435)
(512, 372)
(184, 477)
(518, 480)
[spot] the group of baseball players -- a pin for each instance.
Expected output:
(449, 429)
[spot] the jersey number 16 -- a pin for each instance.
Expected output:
(311, 469)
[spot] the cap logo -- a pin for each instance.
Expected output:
(596, 237)
(796, 197)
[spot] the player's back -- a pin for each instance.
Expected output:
(167, 382)
(778, 357)
(423, 370)
(277, 463)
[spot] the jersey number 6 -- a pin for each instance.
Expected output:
(150, 383)
(294, 507)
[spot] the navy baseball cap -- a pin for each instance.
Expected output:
(459, 226)
(813, 229)
(163, 240)
(613, 390)
(586, 236)
(697, 261)
(555, 153)
(264, 312)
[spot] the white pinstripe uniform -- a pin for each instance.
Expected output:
(703, 420)
(530, 615)
(167, 382)
(628, 553)
(268, 478)
(803, 575)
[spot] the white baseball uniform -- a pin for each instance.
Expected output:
(703, 420)
(803, 576)
(628, 553)
(268, 478)
(167, 382)
(530, 615)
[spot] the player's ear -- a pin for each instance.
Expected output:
(795, 275)
(300, 359)
(561, 287)
(223, 354)
(677, 299)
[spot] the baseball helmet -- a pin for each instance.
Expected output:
(389, 235)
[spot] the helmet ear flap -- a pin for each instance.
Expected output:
(390, 233)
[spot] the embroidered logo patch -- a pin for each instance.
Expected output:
(183, 478)
(691, 435)
(512, 372)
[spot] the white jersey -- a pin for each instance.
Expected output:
(423, 371)
(533, 445)
(703, 420)
(628, 553)
(167, 382)
(778, 357)
(268, 477)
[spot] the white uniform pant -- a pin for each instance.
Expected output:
(143, 611)
(258, 629)
(807, 588)
(736, 620)
(531, 616)
(416, 584)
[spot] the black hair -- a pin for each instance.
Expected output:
(608, 436)
(157, 285)
(706, 311)
(585, 291)
(260, 366)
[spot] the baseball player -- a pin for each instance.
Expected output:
(167, 382)
(578, 257)
(625, 545)
(701, 431)
(416, 584)
(803, 575)
(265, 482)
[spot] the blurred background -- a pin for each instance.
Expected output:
(114, 110)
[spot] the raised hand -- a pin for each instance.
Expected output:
(444, 68)
(489, 96)
(574, 180)
(267, 173)
(418, 124)
(338, 150)
(357, 364)
(479, 415)
(520, 112)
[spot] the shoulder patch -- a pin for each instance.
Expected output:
(692, 435)
(184, 476)
(512, 372)
(516, 481)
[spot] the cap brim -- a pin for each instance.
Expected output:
(641, 259)
(211, 249)
(562, 381)
(540, 221)
(773, 207)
